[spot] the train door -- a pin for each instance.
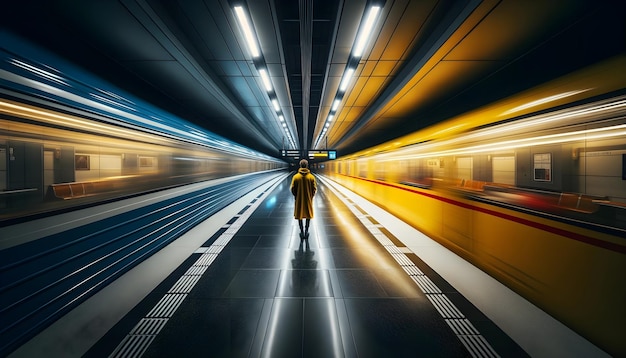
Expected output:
(3, 175)
(24, 171)
(3, 167)
(48, 169)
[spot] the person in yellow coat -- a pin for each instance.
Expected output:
(303, 188)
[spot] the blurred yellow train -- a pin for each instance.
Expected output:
(531, 189)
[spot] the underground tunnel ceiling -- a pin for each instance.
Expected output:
(425, 62)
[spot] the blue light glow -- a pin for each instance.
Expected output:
(271, 202)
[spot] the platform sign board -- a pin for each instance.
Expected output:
(323, 154)
(295, 154)
(320, 155)
(432, 163)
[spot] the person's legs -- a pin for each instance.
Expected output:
(308, 221)
(300, 224)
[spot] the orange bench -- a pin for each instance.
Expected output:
(74, 190)
(581, 203)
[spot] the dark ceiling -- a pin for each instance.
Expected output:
(428, 60)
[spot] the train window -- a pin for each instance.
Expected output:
(147, 162)
(82, 162)
(416, 171)
(542, 167)
(503, 170)
(379, 172)
(464, 168)
(362, 168)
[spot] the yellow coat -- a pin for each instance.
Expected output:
(303, 188)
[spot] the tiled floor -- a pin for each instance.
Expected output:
(339, 293)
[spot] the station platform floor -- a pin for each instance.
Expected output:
(352, 288)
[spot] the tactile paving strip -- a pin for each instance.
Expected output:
(471, 338)
(142, 335)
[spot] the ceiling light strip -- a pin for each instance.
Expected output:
(266, 80)
(347, 76)
(306, 55)
(361, 41)
(249, 34)
(366, 31)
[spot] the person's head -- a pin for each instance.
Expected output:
(304, 163)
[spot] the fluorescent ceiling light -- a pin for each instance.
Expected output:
(275, 103)
(248, 31)
(346, 79)
(365, 32)
(362, 38)
(266, 79)
(281, 118)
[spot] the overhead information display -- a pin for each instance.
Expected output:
(312, 154)
(323, 154)
(290, 153)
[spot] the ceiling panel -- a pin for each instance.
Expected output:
(513, 26)
(246, 68)
(406, 30)
(171, 75)
(384, 68)
(446, 77)
(228, 68)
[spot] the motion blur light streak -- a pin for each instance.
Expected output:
(544, 100)
(575, 116)
(568, 114)
(613, 132)
(100, 98)
(64, 120)
(91, 103)
(39, 71)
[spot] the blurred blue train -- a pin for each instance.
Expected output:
(68, 139)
